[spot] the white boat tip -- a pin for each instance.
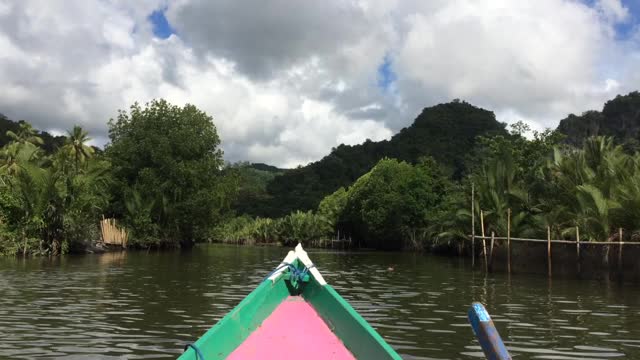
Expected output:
(304, 258)
(301, 255)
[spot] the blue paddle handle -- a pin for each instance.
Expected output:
(486, 332)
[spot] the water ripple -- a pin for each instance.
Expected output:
(143, 306)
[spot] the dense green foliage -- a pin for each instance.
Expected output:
(546, 184)
(49, 142)
(49, 203)
(167, 172)
(393, 201)
(550, 179)
(251, 182)
(297, 227)
(162, 177)
(446, 132)
(538, 182)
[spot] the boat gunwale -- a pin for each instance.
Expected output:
(357, 335)
(236, 326)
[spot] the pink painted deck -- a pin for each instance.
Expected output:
(294, 329)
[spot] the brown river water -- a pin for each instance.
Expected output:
(140, 305)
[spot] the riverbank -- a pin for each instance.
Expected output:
(526, 258)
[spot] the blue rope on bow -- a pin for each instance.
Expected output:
(195, 348)
(301, 273)
(296, 274)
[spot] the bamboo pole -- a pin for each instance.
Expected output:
(549, 250)
(24, 246)
(557, 241)
(488, 253)
(484, 243)
(112, 234)
(578, 248)
(491, 251)
(620, 251)
(509, 240)
(607, 251)
(604, 242)
(473, 226)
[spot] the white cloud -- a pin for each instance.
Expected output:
(613, 10)
(541, 58)
(286, 81)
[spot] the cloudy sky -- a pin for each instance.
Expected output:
(285, 80)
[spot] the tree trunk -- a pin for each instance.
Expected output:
(187, 244)
(24, 246)
(607, 249)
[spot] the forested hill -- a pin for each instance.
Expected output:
(50, 142)
(265, 167)
(447, 132)
(620, 118)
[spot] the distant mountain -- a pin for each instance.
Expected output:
(267, 168)
(620, 118)
(51, 143)
(447, 132)
(252, 186)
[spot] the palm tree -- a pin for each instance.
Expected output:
(497, 191)
(588, 181)
(136, 204)
(76, 145)
(14, 155)
(22, 149)
(628, 195)
(596, 211)
(41, 205)
(26, 135)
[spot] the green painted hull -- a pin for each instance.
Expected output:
(232, 330)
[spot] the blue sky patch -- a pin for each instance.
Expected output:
(161, 27)
(625, 30)
(386, 75)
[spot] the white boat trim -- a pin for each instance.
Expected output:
(289, 259)
(304, 258)
(301, 255)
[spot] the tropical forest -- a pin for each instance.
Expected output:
(162, 176)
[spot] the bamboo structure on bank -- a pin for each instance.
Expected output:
(620, 250)
(112, 234)
(549, 250)
(509, 240)
(488, 254)
(488, 262)
(473, 227)
(484, 242)
(554, 241)
(549, 241)
(578, 249)
(491, 251)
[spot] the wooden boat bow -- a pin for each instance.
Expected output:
(292, 313)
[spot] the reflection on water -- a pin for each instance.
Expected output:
(139, 305)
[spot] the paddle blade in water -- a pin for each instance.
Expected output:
(487, 334)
